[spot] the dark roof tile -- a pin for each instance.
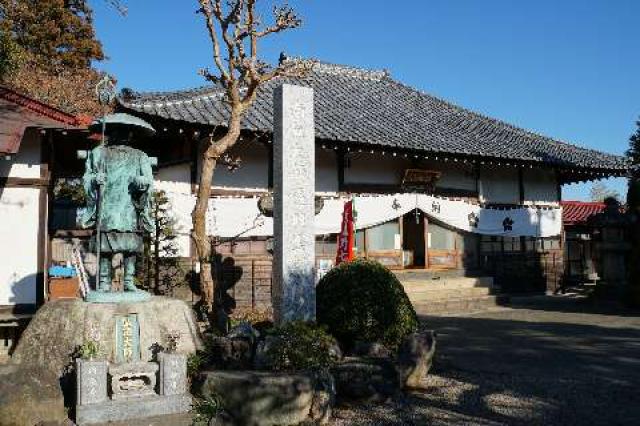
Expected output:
(368, 107)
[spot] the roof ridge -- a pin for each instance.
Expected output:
(583, 203)
(324, 67)
(198, 90)
(42, 108)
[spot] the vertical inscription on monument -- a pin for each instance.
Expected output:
(293, 291)
(127, 338)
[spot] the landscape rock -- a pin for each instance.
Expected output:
(60, 326)
(255, 398)
(261, 358)
(324, 397)
(371, 350)
(365, 379)
(29, 396)
(415, 357)
(231, 353)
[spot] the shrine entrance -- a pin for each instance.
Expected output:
(413, 240)
(428, 244)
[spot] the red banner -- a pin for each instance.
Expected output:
(345, 238)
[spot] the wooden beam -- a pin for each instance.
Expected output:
(18, 182)
(341, 163)
(521, 184)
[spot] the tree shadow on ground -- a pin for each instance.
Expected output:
(522, 367)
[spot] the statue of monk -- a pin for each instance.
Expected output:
(118, 182)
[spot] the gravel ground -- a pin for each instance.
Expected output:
(545, 361)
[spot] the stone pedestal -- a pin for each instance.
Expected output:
(60, 326)
(132, 391)
(293, 290)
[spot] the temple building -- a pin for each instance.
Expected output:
(436, 187)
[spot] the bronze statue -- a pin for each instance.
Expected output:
(118, 182)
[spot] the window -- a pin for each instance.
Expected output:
(511, 243)
(441, 238)
(359, 249)
(384, 236)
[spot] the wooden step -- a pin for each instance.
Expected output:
(460, 306)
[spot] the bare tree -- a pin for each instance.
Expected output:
(235, 30)
(600, 192)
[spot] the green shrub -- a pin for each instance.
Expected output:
(205, 409)
(195, 362)
(300, 345)
(362, 300)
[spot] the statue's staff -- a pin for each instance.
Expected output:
(106, 93)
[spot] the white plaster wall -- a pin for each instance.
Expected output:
(176, 182)
(26, 163)
(540, 186)
(499, 186)
(18, 245)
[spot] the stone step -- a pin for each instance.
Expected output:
(427, 274)
(447, 283)
(460, 306)
(445, 294)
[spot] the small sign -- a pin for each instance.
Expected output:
(421, 180)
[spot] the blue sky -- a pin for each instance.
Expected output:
(567, 69)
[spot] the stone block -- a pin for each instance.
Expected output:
(415, 357)
(173, 373)
(91, 382)
(132, 408)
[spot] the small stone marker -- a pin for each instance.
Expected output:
(294, 294)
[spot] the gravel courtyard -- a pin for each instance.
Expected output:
(544, 361)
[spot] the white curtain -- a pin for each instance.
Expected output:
(240, 217)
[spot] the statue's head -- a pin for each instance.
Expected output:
(122, 129)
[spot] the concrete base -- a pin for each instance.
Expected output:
(133, 408)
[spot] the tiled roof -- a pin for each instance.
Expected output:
(355, 106)
(18, 111)
(578, 212)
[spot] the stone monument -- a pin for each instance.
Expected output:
(293, 295)
(133, 346)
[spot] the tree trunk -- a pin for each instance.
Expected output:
(209, 159)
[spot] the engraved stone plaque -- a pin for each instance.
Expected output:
(91, 381)
(173, 373)
(127, 338)
(293, 291)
